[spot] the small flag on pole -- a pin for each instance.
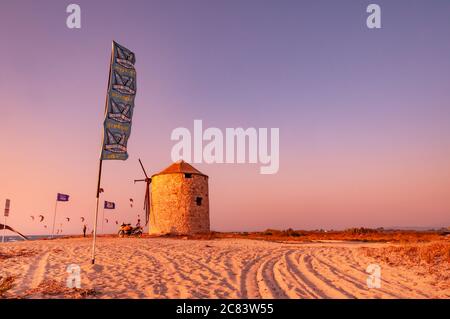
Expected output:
(7, 204)
(109, 205)
(62, 197)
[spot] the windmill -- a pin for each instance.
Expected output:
(148, 180)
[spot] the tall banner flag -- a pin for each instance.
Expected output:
(118, 114)
(109, 205)
(7, 204)
(6, 214)
(119, 104)
(62, 197)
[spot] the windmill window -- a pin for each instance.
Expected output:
(199, 201)
(188, 175)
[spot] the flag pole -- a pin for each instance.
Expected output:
(4, 231)
(54, 216)
(96, 210)
(5, 214)
(101, 159)
(103, 218)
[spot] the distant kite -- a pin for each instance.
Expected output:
(106, 220)
(32, 217)
(82, 219)
(131, 200)
(101, 190)
(68, 219)
(117, 223)
(41, 218)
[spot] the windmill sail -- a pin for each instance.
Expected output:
(147, 180)
(119, 104)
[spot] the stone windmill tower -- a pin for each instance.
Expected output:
(180, 201)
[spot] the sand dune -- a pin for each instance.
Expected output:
(226, 268)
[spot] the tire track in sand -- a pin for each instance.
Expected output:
(269, 284)
(310, 289)
(349, 281)
(320, 282)
(249, 287)
(35, 273)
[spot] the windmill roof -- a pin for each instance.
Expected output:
(180, 167)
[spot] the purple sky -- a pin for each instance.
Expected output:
(363, 114)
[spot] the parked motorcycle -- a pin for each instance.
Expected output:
(128, 230)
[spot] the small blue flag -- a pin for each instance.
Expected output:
(110, 205)
(62, 197)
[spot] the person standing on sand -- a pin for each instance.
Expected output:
(84, 230)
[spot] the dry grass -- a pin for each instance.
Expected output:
(432, 257)
(52, 288)
(430, 254)
(6, 283)
(353, 234)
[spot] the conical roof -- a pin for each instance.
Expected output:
(180, 167)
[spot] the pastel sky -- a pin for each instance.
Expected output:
(364, 115)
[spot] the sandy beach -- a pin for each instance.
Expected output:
(220, 268)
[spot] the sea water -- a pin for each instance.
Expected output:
(30, 237)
